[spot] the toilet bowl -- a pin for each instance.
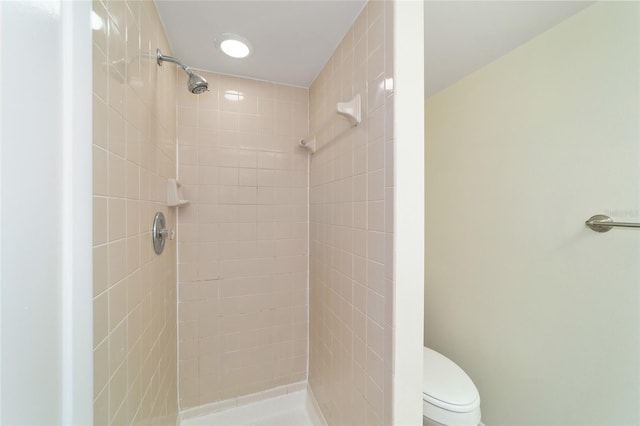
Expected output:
(449, 397)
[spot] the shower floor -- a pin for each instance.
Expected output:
(293, 409)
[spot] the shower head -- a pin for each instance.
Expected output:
(196, 84)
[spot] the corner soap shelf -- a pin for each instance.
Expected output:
(174, 194)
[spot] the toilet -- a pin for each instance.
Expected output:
(449, 397)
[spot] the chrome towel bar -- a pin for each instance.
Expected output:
(603, 223)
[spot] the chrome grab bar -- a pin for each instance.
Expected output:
(603, 223)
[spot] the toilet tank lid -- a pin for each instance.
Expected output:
(446, 385)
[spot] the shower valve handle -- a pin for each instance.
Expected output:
(167, 233)
(160, 232)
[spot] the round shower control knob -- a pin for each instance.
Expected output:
(160, 233)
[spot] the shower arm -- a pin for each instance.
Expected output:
(161, 58)
(196, 83)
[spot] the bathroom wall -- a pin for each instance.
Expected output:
(134, 152)
(46, 346)
(351, 224)
(543, 313)
(243, 238)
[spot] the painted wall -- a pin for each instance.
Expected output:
(540, 311)
(351, 228)
(134, 152)
(242, 238)
(45, 199)
(408, 209)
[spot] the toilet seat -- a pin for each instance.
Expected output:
(449, 395)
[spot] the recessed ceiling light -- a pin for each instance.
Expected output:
(234, 45)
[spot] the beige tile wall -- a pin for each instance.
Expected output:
(134, 116)
(243, 239)
(351, 225)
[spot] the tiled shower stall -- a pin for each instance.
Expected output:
(242, 239)
(281, 268)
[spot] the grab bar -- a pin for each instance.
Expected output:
(603, 223)
(352, 110)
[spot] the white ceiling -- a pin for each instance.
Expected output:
(293, 39)
(463, 36)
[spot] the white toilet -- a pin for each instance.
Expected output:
(449, 397)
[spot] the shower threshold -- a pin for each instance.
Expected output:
(291, 406)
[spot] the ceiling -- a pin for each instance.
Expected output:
(292, 40)
(463, 36)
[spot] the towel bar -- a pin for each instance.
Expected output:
(603, 223)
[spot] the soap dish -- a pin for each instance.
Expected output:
(174, 194)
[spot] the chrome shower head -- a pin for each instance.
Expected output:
(196, 84)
